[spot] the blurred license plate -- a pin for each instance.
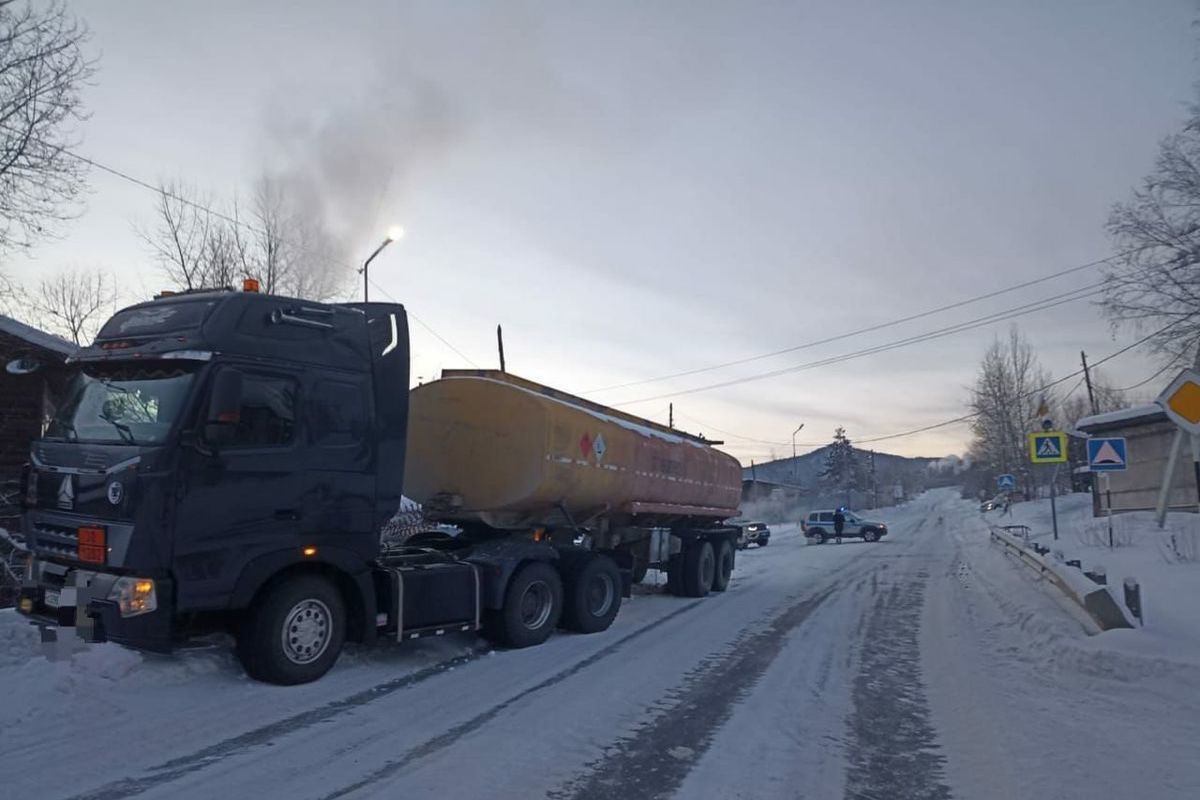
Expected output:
(52, 598)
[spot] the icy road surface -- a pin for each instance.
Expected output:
(922, 666)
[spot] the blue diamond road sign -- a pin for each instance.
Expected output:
(1107, 455)
(1006, 482)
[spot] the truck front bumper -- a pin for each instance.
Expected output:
(81, 602)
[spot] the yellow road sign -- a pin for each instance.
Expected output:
(1181, 401)
(1048, 447)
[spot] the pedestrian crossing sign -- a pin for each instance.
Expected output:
(1048, 447)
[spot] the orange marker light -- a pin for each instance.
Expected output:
(309, 551)
(251, 285)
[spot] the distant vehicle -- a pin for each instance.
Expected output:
(986, 506)
(752, 532)
(818, 527)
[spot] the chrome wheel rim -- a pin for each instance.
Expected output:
(307, 630)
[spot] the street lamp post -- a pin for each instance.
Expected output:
(794, 452)
(394, 233)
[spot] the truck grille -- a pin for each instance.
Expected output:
(60, 540)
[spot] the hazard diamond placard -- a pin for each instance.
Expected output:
(1048, 447)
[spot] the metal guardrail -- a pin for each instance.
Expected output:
(1098, 604)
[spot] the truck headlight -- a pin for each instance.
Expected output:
(134, 596)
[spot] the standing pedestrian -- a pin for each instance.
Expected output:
(839, 523)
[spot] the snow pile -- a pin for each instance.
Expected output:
(1164, 562)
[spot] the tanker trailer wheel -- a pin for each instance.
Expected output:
(699, 568)
(640, 568)
(533, 603)
(724, 570)
(294, 631)
(591, 595)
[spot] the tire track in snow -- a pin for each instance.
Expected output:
(655, 760)
(449, 737)
(177, 768)
(892, 747)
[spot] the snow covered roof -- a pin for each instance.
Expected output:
(1151, 412)
(34, 336)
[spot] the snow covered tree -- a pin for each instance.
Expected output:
(842, 471)
(1008, 400)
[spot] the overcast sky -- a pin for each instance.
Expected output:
(638, 189)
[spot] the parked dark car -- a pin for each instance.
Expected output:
(753, 532)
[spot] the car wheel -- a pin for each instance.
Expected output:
(870, 536)
(819, 537)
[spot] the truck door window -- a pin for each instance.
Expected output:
(338, 414)
(268, 415)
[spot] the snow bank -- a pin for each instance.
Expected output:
(1165, 563)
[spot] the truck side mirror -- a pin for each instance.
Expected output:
(224, 408)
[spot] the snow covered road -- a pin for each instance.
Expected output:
(922, 666)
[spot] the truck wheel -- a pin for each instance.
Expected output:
(675, 575)
(640, 568)
(532, 606)
(724, 570)
(294, 633)
(699, 567)
(592, 595)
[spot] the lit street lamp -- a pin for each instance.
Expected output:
(394, 233)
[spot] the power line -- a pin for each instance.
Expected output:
(1031, 393)
(872, 328)
(245, 225)
(1000, 316)
(423, 324)
(1173, 362)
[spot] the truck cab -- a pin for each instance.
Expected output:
(208, 443)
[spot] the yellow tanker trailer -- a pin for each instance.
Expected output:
(506, 458)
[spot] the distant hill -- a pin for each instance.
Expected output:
(805, 470)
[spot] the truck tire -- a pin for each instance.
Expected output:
(724, 569)
(675, 575)
(699, 567)
(640, 568)
(533, 603)
(294, 632)
(591, 595)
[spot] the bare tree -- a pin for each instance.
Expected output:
(74, 303)
(1008, 399)
(1156, 278)
(42, 67)
(284, 245)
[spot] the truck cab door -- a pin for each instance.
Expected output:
(241, 499)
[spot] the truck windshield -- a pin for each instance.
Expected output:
(131, 405)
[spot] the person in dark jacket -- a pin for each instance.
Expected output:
(839, 524)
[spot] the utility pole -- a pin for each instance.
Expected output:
(794, 452)
(671, 420)
(1087, 377)
(874, 488)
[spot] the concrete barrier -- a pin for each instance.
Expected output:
(1096, 601)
